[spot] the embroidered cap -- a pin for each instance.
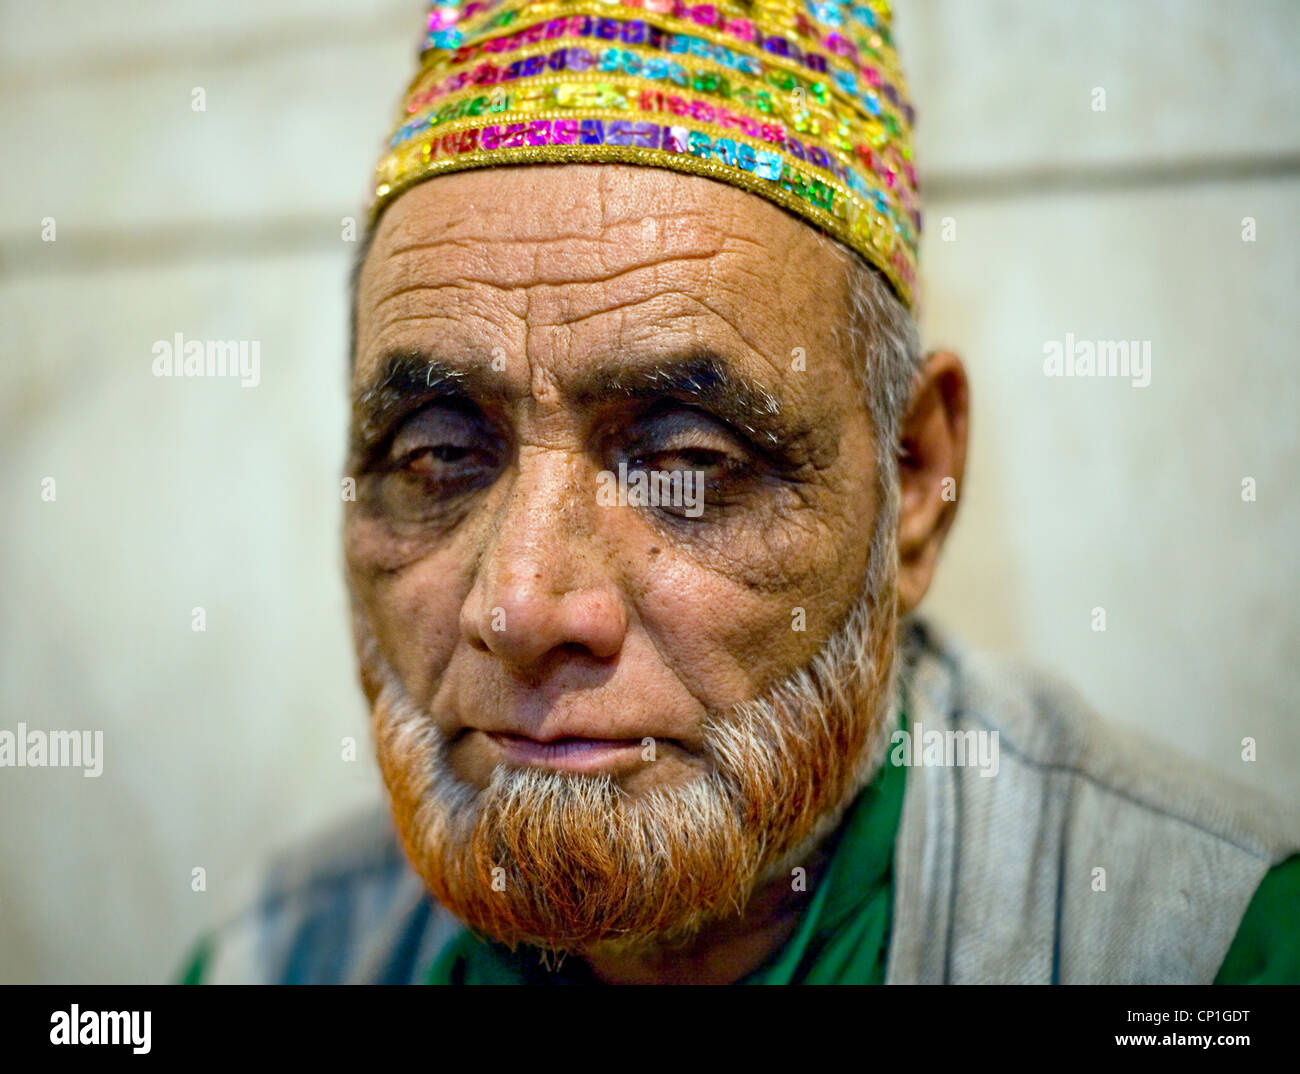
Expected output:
(799, 101)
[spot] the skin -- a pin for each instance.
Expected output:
(618, 622)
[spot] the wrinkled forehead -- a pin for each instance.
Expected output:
(591, 252)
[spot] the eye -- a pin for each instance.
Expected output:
(428, 460)
(708, 461)
(682, 461)
(438, 456)
(683, 438)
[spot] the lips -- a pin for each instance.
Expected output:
(568, 753)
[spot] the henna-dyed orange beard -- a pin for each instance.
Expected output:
(568, 862)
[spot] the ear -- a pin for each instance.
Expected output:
(931, 468)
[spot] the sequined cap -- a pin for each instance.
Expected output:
(799, 101)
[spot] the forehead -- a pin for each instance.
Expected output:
(566, 263)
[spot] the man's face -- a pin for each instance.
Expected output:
(521, 331)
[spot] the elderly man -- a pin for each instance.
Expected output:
(651, 476)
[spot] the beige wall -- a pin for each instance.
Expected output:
(226, 224)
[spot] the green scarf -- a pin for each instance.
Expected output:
(842, 937)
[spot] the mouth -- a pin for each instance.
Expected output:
(570, 753)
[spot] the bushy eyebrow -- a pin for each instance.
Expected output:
(412, 378)
(407, 380)
(702, 379)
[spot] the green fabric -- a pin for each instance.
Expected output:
(197, 964)
(842, 937)
(1266, 949)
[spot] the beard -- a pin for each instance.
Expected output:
(571, 863)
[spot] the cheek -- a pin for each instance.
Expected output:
(733, 610)
(730, 621)
(413, 610)
(785, 539)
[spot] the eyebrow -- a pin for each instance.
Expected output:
(703, 379)
(413, 378)
(410, 379)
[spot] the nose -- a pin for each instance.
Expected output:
(543, 584)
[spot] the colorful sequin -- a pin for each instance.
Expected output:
(800, 101)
